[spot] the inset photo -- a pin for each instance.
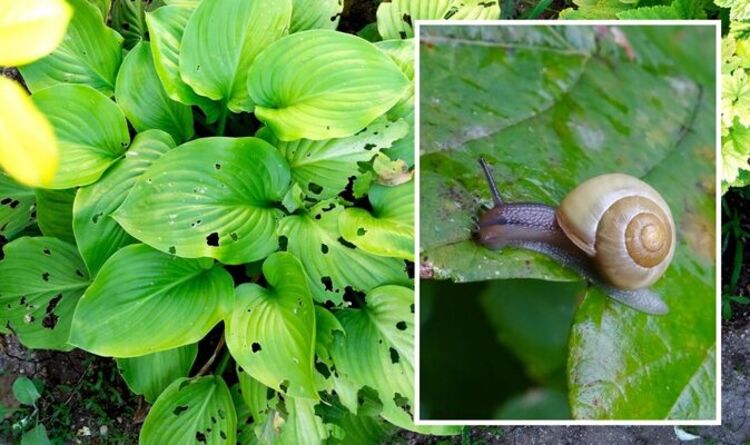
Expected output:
(567, 223)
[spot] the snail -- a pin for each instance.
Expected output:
(614, 230)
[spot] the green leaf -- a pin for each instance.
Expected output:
(735, 152)
(302, 425)
(36, 436)
(702, 385)
(566, 119)
(129, 21)
(377, 352)
(54, 210)
(245, 420)
(212, 197)
(323, 168)
(90, 54)
(659, 12)
(181, 299)
(595, 9)
(97, 234)
(389, 229)
(166, 27)
(315, 14)
(735, 98)
(43, 278)
(354, 83)
(358, 429)
(402, 52)
(192, 411)
(259, 398)
(91, 130)
(25, 391)
(149, 375)
(17, 209)
(740, 9)
(238, 30)
(143, 100)
(396, 18)
(315, 236)
(103, 6)
(271, 332)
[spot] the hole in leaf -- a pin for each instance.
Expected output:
(361, 231)
(346, 243)
(47, 252)
(284, 386)
(327, 282)
(223, 435)
(348, 192)
(172, 250)
(323, 369)
(409, 268)
(213, 239)
(394, 356)
(355, 298)
(200, 437)
(234, 236)
(401, 325)
(221, 413)
(283, 242)
(6, 201)
(315, 188)
(256, 347)
(270, 393)
(45, 276)
(179, 410)
(213, 419)
(411, 308)
(369, 147)
(324, 248)
(79, 273)
(249, 420)
(217, 166)
(14, 204)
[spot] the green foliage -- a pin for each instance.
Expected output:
(578, 102)
(735, 108)
(25, 391)
(196, 136)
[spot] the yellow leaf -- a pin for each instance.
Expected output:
(28, 148)
(31, 29)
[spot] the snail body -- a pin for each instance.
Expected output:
(615, 230)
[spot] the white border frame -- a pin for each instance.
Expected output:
(417, 153)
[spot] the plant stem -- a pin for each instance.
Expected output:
(222, 122)
(223, 363)
(211, 359)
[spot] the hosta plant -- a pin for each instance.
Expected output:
(231, 219)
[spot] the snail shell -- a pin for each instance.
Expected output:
(624, 225)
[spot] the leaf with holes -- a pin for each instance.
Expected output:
(271, 332)
(353, 83)
(42, 280)
(402, 52)
(315, 14)
(166, 27)
(192, 411)
(91, 130)
(90, 54)
(302, 424)
(238, 30)
(148, 375)
(98, 235)
(213, 197)
(139, 93)
(396, 18)
(389, 229)
(315, 236)
(324, 168)
(17, 210)
(128, 19)
(181, 299)
(54, 213)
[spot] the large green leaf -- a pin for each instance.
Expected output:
(237, 30)
(315, 236)
(378, 351)
(402, 52)
(357, 429)
(143, 100)
(396, 18)
(315, 14)
(323, 168)
(54, 210)
(91, 130)
(90, 54)
(271, 332)
(322, 84)
(181, 299)
(192, 411)
(302, 425)
(213, 197)
(149, 375)
(389, 229)
(259, 398)
(566, 117)
(41, 280)
(17, 209)
(166, 27)
(128, 19)
(103, 6)
(97, 234)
